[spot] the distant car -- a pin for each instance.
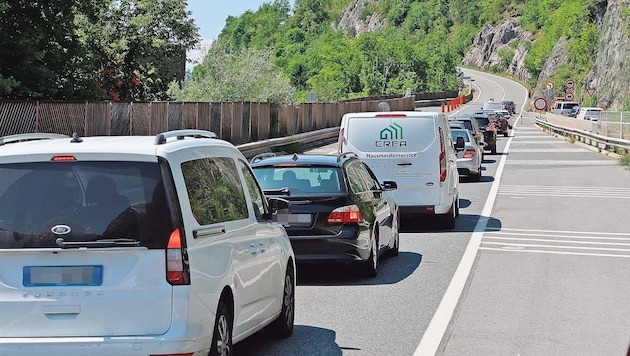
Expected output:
(339, 212)
(509, 106)
(574, 111)
(470, 156)
(589, 113)
(138, 245)
(501, 123)
(456, 125)
(469, 123)
(489, 131)
(563, 108)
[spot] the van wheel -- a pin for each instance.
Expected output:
(222, 337)
(370, 267)
(448, 219)
(283, 326)
(477, 177)
(494, 150)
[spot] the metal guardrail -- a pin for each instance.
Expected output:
(307, 140)
(590, 138)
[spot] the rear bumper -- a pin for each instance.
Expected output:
(105, 346)
(332, 249)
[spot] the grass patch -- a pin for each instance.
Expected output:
(625, 160)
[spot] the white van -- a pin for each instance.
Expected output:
(414, 149)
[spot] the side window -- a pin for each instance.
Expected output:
(360, 179)
(258, 200)
(214, 189)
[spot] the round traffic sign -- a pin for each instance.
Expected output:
(549, 85)
(540, 103)
(569, 97)
(570, 84)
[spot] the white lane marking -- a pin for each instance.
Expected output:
(439, 323)
(496, 229)
(494, 234)
(490, 240)
(552, 253)
(525, 162)
(551, 150)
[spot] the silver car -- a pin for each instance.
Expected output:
(469, 155)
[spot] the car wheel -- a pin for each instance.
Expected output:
(493, 150)
(370, 266)
(283, 325)
(448, 219)
(222, 337)
(477, 177)
(505, 134)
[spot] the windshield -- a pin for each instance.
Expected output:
(52, 204)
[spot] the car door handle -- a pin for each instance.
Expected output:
(404, 164)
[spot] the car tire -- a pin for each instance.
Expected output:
(448, 219)
(477, 177)
(493, 151)
(370, 267)
(282, 327)
(222, 335)
(505, 134)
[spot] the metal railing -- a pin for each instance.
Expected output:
(594, 139)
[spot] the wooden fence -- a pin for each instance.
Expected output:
(236, 122)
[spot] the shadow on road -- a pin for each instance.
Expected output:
(391, 270)
(306, 340)
(427, 223)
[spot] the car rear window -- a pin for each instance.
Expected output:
(304, 180)
(82, 201)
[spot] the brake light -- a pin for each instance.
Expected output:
(175, 272)
(390, 115)
(345, 214)
(469, 153)
(63, 158)
(442, 157)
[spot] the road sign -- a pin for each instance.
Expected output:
(540, 103)
(569, 97)
(569, 84)
(590, 91)
(549, 85)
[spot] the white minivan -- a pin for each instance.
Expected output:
(414, 149)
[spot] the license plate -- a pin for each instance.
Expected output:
(34, 276)
(294, 219)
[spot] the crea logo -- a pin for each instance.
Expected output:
(391, 136)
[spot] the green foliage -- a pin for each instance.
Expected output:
(625, 160)
(227, 74)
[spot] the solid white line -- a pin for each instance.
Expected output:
(496, 229)
(500, 234)
(432, 337)
(486, 242)
(554, 252)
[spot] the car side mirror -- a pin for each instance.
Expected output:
(389, 185)
(459, 143)
(279, 209)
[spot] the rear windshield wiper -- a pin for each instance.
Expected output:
(98, 243)
(279, 191)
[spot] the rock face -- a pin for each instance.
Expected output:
(353, 22)
(612, 74)
(485, 48)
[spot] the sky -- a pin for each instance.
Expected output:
(210, 16)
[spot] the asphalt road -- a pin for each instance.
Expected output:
(537, 264)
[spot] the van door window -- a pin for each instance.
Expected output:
(214, 190)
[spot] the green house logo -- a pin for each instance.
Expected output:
(392, 132)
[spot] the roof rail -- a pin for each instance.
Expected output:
(160, 139)
(260, 157)
(30, 137)
(346, 154)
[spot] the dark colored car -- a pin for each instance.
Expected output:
(509, 106)
(502, 125)
(340, 213)
(489, 131)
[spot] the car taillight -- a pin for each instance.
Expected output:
(469, 153)
(175, 271)
(345, 214)
(442, 157)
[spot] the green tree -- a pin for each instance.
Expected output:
(139, 46)
(41, 57)
(226, 74)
